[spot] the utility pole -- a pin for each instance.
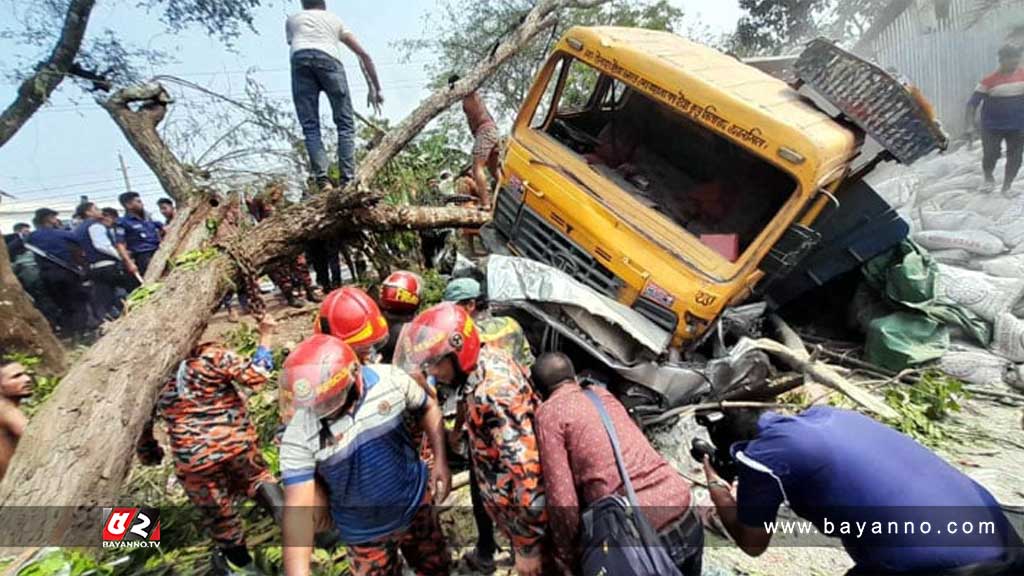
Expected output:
(124, 172)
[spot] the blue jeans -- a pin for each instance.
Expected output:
(314, 72)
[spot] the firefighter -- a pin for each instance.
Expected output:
(443, 343)
(350, 314)
(497, 331)
(400, 297)
(214, 444)
(351, 430)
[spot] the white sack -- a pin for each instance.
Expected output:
(986, 296)
(974, 241)
(975, 365)
(1008, 337)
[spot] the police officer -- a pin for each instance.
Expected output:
(60, 277)
(106, 270)
(141, 234)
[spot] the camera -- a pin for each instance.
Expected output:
(720, 460)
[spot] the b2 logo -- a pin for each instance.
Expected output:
(131, 527)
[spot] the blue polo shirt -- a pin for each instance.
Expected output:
(837, 466)
(140, 235)
(55, 241)
(372, 470)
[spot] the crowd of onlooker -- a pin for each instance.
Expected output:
(78, 273)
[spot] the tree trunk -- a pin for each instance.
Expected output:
(23, 328)
(77, 451)
(36, 89)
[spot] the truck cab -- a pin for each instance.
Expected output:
(666, 175)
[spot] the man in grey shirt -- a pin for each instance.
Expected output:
(315, 37)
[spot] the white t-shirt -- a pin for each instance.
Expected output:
(315, 30)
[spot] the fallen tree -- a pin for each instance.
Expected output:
(78, 449)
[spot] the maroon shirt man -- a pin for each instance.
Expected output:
(578, 460)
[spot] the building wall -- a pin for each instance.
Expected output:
(947, 55)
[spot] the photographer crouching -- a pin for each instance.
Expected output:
(856, 479)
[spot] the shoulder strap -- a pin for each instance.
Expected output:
(614, 439)
(51, 258)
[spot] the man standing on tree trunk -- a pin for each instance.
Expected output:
(315, 36)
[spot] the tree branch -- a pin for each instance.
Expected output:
(139, 125)
(37, 88)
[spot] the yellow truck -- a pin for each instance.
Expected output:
(677, 180)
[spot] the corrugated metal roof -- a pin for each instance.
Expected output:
(946, 49)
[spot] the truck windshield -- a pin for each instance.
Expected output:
(715, 189)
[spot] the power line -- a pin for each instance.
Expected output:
(361, 90)
(29, 192)
(288, 69)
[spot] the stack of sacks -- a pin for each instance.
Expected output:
(978, 239)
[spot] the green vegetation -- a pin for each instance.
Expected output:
(66, 562)
(924, 407)
(433, 288)
(141, 295)
(193, 259)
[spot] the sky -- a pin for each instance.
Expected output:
(70, 148)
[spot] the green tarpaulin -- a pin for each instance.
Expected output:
(918, 331)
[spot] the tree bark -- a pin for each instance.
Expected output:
(77, 451)
(23, 328)
(36, 89)
(139, 125)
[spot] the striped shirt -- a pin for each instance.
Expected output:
(374, 474)
(1001, 97)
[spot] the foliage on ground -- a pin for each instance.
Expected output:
(924, 407)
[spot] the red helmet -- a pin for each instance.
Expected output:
(318, 374)
(401, 292)
(350, 314)
(441, 330)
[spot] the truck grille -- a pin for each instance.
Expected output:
(661, 316)
(506, 210)
(534, 238)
